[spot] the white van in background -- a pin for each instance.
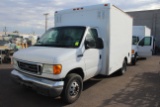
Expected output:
(142, 43)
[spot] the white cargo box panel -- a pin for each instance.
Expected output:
(141, 31)
(120, 38)
(114, 27)
(94, 16)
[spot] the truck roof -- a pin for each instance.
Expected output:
(91, 7)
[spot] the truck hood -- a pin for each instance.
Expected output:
(48, 55)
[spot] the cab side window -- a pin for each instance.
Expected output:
(91, 38)
(135, 40)
(146, 41)
(94, 33)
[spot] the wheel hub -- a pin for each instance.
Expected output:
(74, 88)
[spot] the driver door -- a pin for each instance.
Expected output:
(145, 47)
(92, 55)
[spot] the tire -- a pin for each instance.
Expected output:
(124, 68)
(72, 88)
(134, 60)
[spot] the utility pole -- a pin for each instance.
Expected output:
(46, 20)
(5, 30)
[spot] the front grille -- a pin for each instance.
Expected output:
(32, 68)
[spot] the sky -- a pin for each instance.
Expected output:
(27, 16)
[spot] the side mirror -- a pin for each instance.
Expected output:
(90, 44)
(38, 39)
(87, 44)
(94, 44)
(99, 43)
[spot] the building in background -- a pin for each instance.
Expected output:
(149, 18)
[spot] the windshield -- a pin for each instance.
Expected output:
(62, 37)
(135, 40)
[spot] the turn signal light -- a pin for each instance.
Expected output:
(57, 69)
(132, 51)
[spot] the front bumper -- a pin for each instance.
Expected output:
(41, 85)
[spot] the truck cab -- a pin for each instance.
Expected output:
(61, 51)
(141, 48)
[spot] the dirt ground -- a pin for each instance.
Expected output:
(138, 87)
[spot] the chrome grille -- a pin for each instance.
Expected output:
(32, 68)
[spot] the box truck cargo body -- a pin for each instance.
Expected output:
(142, 43)
(141, 31)
(85, 42)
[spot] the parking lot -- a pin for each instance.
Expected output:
(139, 87)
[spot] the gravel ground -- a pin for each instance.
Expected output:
(138, 87)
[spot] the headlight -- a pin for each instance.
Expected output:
(54, 69)
(15, 64)
(47, 68)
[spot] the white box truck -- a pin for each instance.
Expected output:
(142, 43)
(85, 42)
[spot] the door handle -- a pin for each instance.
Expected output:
(81, 55)
(99, 56)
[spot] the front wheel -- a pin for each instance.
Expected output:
(134, 60)
(72, 88)
(124, 68)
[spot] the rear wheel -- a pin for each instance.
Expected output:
(72, 88)
(124, 68)
(134, 60)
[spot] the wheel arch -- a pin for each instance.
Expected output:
(126, 59)
(78, 71)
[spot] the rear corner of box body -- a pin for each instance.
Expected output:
(120, 38)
